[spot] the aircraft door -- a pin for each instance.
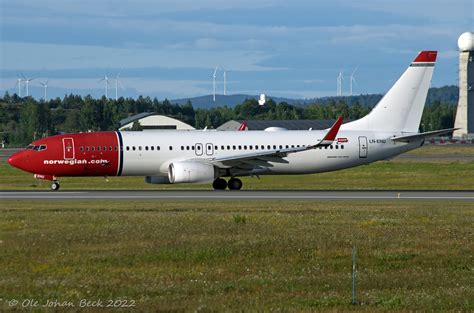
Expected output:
(198, 149)
(209, 149)
(68, 149)
(363, 147)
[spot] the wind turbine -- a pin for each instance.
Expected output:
(18, 82)
(27, 82)
(117, 83)
(45, 86)
(352, 80)
(106, 79)
(225, 81)
(340, 78)
(214, 84)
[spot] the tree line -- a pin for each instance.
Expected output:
(23, 120)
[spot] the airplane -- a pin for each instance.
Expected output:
(173, 157)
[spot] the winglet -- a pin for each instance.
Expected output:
(332, 133)
(243, 126)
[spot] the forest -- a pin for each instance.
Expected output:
(23, 120)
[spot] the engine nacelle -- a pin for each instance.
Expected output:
(191, 172)
(157, 179)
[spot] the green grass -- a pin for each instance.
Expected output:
(380, 175)
(248, 255)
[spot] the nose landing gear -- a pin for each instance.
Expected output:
(221, 184)
(55, 185)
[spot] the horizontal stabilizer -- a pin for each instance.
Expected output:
(433, 133)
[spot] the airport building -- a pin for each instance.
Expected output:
(153, 121)
(465, 111)
(278, 124)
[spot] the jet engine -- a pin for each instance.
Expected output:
(157, 179)
(191, 172)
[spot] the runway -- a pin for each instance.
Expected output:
(235, 195)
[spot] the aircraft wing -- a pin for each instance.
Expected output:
(261, 159)
(408, 138)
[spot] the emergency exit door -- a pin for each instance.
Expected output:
(363, 147)
(68, 148)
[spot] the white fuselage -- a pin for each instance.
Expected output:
(352, 148)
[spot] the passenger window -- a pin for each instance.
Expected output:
(216, 147)
(87, 148)
(182, 147)
(342, 146)
(171, 148)
(325, 147)
(187, 147)
(158, 148)
(152, 148)
(228, 147)
(240, 147)
(233, 147)
(337, 147)
(110, 148)
(222, 147)
(192, 148)
(245, 147)
(81, 148)
(128, 148)
(281, 147)
(98, 148)
(92, 148)
(287, 146)
(330, 146)
(140, 148)
(274, 147)
(104, 148)
(133, 148)
(146, 148)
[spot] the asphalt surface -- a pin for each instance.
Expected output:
(235, 195)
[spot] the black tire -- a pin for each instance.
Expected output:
(234, 184)
(219, 184)
(55, 186)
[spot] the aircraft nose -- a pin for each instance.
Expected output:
(15, 160)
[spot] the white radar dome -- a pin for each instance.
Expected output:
(466, 41)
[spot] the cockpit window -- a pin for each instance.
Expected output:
(37, 148)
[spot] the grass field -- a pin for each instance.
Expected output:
(210, 256)
(400, 174)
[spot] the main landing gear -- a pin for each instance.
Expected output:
(55, 185)
(221, 184)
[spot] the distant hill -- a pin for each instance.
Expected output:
(204, 102)
(446, 94)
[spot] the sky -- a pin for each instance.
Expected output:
(169, 49)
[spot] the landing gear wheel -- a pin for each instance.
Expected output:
(55, 186)
(219, 184)
(234, 184)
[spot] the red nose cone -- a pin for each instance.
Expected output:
(13, 161)
(16, 159)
